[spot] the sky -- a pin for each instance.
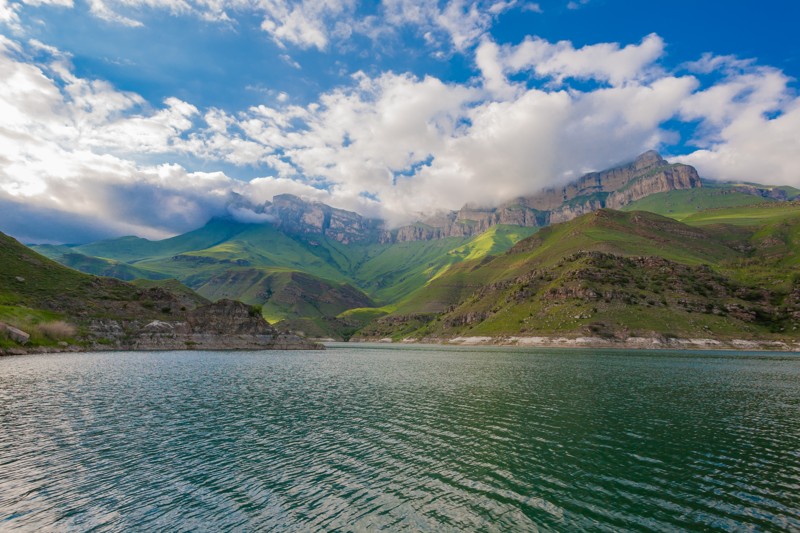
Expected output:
(149, 117)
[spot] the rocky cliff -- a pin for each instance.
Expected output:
(647, 174)
(297, 216)
(222, 325)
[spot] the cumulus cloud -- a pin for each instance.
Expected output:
(97, 160)
(748, 126)
(460, 22)
(604, 62)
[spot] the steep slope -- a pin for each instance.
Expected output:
(96, 265)
(607, 231)
(648, 174)
(285, 294)
(48, 306)
(385, 271)
(131, 249)
(610, 274)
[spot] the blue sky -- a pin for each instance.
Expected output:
(148, 117)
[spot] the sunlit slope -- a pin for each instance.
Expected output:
(387, 272)
(36, 291)
(684, 203)
(615, 273)
(625, 234)
(768, 237)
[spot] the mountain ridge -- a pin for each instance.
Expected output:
(611, 275)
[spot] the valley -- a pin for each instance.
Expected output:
(646, 249)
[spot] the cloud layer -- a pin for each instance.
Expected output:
(80, 159)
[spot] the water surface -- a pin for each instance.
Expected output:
(400, 438)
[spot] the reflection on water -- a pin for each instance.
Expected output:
(369, 437)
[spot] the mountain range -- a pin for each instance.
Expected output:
(327, 272)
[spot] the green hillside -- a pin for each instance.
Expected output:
(53, 302)
(624, 234)
(612, 273)
(132, 249)
(98, 266)
(684, 203)
(285, 293)
(731, 254)
(293, 278)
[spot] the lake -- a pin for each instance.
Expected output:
(366, 437)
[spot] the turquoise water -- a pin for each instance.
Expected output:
(400, 438)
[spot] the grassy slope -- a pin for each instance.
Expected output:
(98, 266)
(132, 249)
(284, 293)
(35, 290)
(606, 231)
(387, 272)
(769, 236)
(643, 299)
(684, 203)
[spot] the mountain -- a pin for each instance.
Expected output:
(648, 174)
(44, 305)
(616, 187)
(328, 272)
(303, 282)
(617, 275)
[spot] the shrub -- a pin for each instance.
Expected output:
(57, 330)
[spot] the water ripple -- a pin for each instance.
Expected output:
(424, 438)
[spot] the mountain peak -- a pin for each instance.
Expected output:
(650, 158)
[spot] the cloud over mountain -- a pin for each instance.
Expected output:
(106, 161)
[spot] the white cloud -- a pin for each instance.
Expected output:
(392, 145)
(9, 15)
(463, 22)
(101, 10)
(749, 124)
(605, 62)
(533, 7)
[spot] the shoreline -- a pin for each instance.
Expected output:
(308, 344)
(640, 343)
(631, 343)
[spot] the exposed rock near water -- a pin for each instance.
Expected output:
(223, 325)
(15, 334)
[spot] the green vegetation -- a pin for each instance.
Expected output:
(98, 266)
(684, 203)
(56, 304)
(617, 274)
(291, 277)
(717, 262)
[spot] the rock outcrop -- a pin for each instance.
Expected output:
(223, 325)
(15, 334)
(647, 174)
(614, 188)
(297, 216)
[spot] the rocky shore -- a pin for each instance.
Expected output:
(644, 343)
(222, 325)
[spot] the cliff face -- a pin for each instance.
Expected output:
(613, 188)
(223, 325)
(297, 216)
(647, 174)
